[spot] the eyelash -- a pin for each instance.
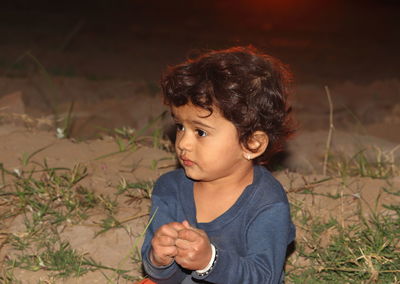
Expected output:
(200, 132)
(179, 127)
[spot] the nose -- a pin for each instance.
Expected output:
(183, 141)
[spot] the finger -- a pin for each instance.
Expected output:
(170, 229)
(183, 244)
(186, 224)
(165, 241)
(177, 226)
(170, 251)
(163, 257)
(166, 230)
(183, 257)
(189, 235)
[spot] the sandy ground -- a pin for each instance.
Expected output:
(366, 117)
(113, 248)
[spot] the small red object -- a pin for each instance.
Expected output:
(145, 281)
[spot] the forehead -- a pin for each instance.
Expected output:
(191, 111)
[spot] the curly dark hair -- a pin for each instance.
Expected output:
(248, 87)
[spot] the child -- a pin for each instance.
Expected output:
(222, 217)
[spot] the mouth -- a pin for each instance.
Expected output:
(186, 162)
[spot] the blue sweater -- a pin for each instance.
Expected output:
(251, 237)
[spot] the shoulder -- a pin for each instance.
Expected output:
(268, 189)
(269, 202)
(169, 182)
(270, 210)
(171, 176)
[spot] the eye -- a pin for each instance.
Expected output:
(201, 133)
(179, 127)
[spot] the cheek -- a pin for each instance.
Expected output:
(223, 151)
(178, 138)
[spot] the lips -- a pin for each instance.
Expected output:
(186, 162)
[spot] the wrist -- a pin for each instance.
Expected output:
(206, 270)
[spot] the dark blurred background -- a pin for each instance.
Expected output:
(106, 56)
(323, 41)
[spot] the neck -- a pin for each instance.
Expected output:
(239, 181)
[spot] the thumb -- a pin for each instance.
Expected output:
(186, 224)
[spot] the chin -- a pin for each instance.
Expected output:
(192, 177)
(190, 174)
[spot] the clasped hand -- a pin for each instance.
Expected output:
(188, 246)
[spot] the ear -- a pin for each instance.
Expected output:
(256, 145)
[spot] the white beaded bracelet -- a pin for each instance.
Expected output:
(211, 264)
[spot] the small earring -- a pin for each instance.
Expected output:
(248, 156)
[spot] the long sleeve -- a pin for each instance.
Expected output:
(251, 237)
(266, 238)
(162, 212)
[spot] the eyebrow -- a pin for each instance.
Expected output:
(195, 122)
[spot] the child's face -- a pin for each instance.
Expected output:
(207, 146)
